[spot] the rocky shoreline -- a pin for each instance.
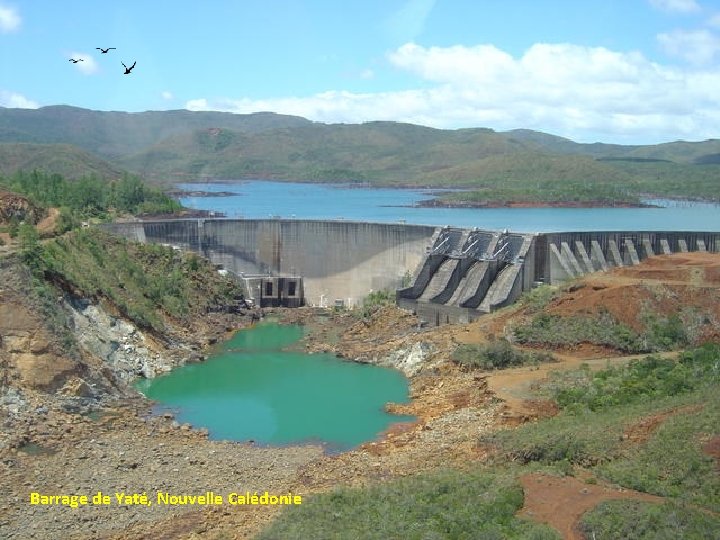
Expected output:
(179, 193)
(443, 203)
(82, 429)
(73, 425)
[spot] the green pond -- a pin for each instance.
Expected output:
(252, 389)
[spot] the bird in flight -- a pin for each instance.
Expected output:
(104, 51)
(128, 69)
(75, 61)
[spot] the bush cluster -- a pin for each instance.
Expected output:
(651, 377)
(497, 354)
(537, 299)
(89, 197)
(374, 301)
(662, 333)
(681, 400)
(142, 280)
(638, 520)
(443, 504)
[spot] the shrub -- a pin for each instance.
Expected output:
(497, 354)
(603, 329)
(88, 196)
(672, 462)
(143, 281)
(445, 504)
(538, 298)
(374, 301)
(651, 377)
(638, 520)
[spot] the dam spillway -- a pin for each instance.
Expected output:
(443, 274)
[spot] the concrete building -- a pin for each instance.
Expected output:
(269, 291)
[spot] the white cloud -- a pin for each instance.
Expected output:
(199, 105)
(408, 22)
(695, 46)
(9, 19)
(16, 101)
(167, 95)
(714, 20)
(580, 92)
(367, 74)
(676, 6)
(88, 66)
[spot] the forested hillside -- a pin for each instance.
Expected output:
(518, 166)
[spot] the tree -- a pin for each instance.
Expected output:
(30, 249)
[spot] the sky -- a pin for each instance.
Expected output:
(616, 71)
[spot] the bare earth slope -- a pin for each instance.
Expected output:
(124, 449)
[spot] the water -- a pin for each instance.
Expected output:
(260, 199)
(252, 390)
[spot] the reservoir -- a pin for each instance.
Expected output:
(261, 200)
(252, 389)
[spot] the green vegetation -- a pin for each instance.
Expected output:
(600, 409)
(89, 197)
(445, 504)
(637, 520)
(672, 463)
(674, 180)
(30, 249)
(145, 282)
(497, 354)
(566, 439)
(374, 301)
(674, 405)
(537, 299)
(63, 159)
(40, 296)
(113, 134)
(661, 334)
(520, 165)
(533, 177)
(641, 380)
(492, 166)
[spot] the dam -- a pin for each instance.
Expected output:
(443, 274)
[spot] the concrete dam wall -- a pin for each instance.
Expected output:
(455, 274)
(468, 273)
(338, 260)
(562, 256)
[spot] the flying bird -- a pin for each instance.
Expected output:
(104, 51)
(75, 61)
(128, 69)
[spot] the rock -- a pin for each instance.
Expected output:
(77, 387)
(409, 361)
(39, 345)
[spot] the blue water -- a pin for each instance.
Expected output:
(252, 389)
(261, 199)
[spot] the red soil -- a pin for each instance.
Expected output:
(664, 285)
(561, 502)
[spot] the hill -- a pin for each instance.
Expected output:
(112, 133)
(63, 159)
(377, 152)
(500, 167)
(540, 450)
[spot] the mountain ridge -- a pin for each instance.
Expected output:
(181, 145)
